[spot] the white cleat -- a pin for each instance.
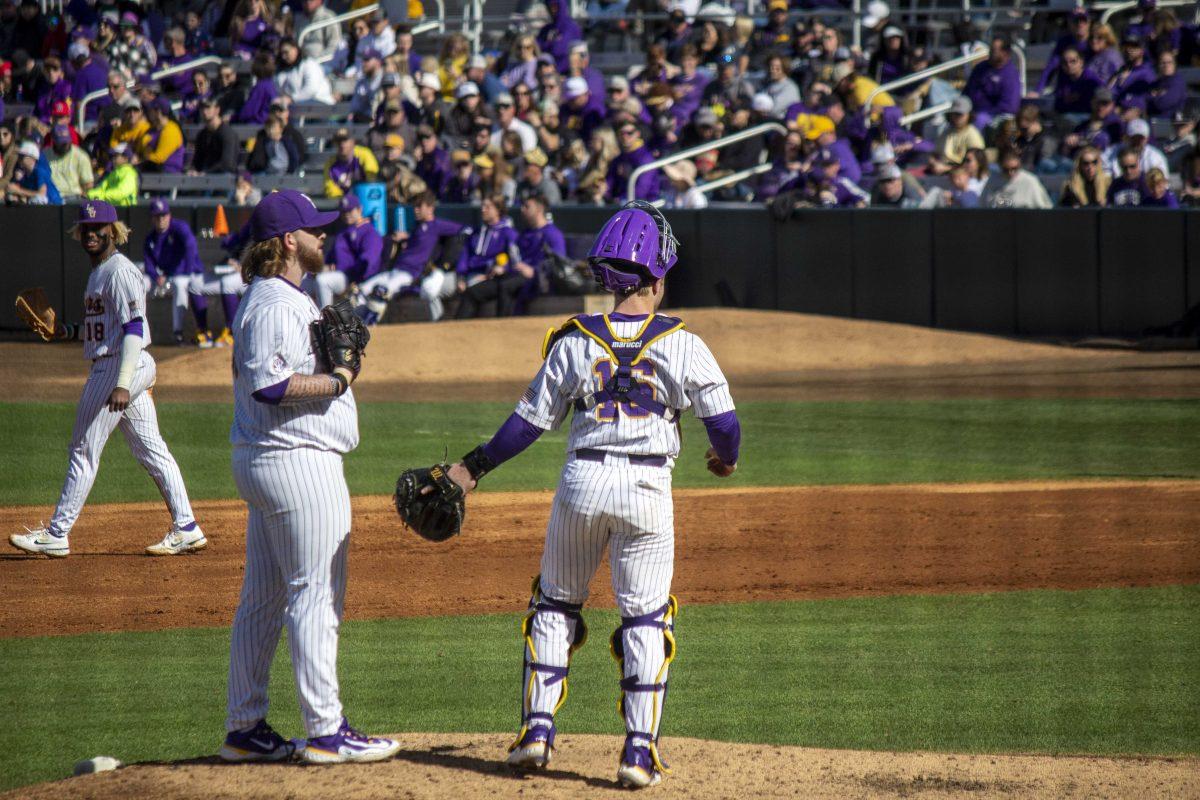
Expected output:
(632, 776)
(177, 542)
(40, 541)
(535, 755)
(348, 745)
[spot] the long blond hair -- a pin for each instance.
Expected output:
(264, 260)
(120, 232)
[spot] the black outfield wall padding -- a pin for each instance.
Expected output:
(974, 281)
(1057, 272)
(1142, 273)
(893, 267)
(814, 253)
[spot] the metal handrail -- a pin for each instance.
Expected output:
(313, 27)
(734, 177)
(717, 144)
(162, 73)
(1019, 52)
(1117, 7)
(917, 77)
(924, 113)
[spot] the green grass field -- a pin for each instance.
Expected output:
(1104, 671)
(783, 444)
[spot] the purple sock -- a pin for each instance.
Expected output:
(200, 309)
(191, 526)
(230, 303)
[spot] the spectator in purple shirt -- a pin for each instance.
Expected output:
(251, 21)
(579, 66)
(634, 154)
(1075, 84)
(200, 90)
(1169, 90)
(995, 85)
(581, 112)
(258, 104)
(52, 88)
(890, 60)
(1135, 77)
(1103, 59)
(433, 162)
(688, 87)
(539, 237)
(463, 185)
(1099, 130)
(1079, 29)
(522, 64)
(557, 35)
(487, 265)
(1128, 188)
(90, 76)
(175, 48)
(354, 257)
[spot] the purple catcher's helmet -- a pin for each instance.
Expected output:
(636, 246)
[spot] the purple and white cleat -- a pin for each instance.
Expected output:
(348, 745)
(260, 743)
(638, 769)
(534, 750)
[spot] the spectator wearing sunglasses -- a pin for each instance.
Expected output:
(1087, 186)
(1128, 188)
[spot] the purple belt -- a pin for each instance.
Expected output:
(588, 454)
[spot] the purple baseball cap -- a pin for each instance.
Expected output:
(159, 207)
(284, 211)
(349, 203)
(96, 212)
(369, 52)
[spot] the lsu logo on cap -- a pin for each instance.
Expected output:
(90, 210)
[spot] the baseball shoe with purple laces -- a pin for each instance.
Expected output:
(260, 743)
(348, 745)
(637, 770)
(534, 750)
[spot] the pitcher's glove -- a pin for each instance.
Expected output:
(341, 339)
(430, 503)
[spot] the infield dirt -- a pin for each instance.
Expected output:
(733, 544)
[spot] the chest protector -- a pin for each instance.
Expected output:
(623, 386)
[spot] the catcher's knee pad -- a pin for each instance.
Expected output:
(551, 675)
(662, 618)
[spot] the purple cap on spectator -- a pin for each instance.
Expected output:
(574, 87)
(349, 203)
(1138, 127)
(96, 212)
(369, 53)
(284, 211)
(826, 157)
(159, 207)
(1133, 101)
(1079, 12)
(131, 20)
(1131, 38)
(84, 32)
(62, 134)
(244, 175)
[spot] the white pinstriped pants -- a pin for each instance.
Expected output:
(627, 510)
(297, 540)
(94, 423)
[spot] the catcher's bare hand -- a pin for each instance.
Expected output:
(118, 400)
(460, 475)
(716, 466)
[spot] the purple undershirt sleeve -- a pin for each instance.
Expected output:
(513, 437)
(725, 435)
(272, 395)
(134, 327)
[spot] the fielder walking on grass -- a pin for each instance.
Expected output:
(294, 419)
(117, 392)
(627, 376)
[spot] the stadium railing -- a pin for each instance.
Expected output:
(1111, 9)
(158, 184)
(162, 73)
(716, 144)
(946, 66)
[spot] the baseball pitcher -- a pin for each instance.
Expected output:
(626, 376)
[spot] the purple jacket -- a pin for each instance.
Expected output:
(1137, 82)
(180, 82)
(1123, 192)
(434, 168)
(258, 105)
(1166, 95)
(1105, 63)
(485, 244)
(1055, 59)
(171, 252)
(252, 35)
(89, 78)
(687, 105)
(357, 251)
(848, 166)
(190, 112)
(422, 241)
(1100, 138)
(583, 120)
(595, 82)
(60, 91)
(557, 35)
(1168, 200)
(623, 166)
(994, 91)
(533, 243)
(1075, 96)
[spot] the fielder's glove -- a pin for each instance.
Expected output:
(430, 503)
(35, 309)
(341, 339)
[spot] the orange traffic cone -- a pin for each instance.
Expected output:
(220, 224)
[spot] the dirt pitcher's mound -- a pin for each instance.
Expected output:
(465, 766)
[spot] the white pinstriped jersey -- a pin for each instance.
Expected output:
(679, 367)
(115, 295)
(272, 342)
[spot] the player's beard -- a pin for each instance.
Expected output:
(310, 258)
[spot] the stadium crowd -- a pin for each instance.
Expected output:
(535, 117)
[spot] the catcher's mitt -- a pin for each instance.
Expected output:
(35, 309)
(341, 337)
(435, 515)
